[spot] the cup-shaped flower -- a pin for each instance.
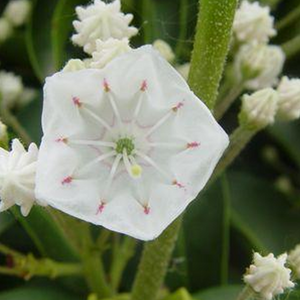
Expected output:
(258, 66)
(294, 261)
(268, 275)
(253, 23)
(17, 11)
(289, 99)
(128, 146)
(107, 51)
(17, 176)
(259, 109)
(101, 20)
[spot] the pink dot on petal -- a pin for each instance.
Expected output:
(178, 184)
(100, 208)
(177, 106)
(61, 140)
(67, 180)
(146, 210)
(106, 85)
(76, 101)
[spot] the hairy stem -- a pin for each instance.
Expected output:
(211, 47)
(154, 264)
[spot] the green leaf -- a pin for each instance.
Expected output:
(48, 292)
(287, 134)
(229, 292)
(206, 229)
(262, 215)
(181, 294)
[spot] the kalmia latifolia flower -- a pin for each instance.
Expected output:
(128, 146)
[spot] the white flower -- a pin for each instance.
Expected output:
(258, 66)
(74, 65)
(294, 260)
(107, 51)
(5, 30)
(289, 99)
(164, 49)
(184, 70)
(253, 23)
(131, 155)
(17, 11)
(259, 109)
(17, 176)
(11, 88)
(268, 275)
(102, 21)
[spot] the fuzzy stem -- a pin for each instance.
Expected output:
(211, 47)
(289, 19)
(246, 293)
(291, 47)
(154, 264)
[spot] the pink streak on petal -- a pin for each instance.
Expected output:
(100, 208)
(76, 101)
(193, 145)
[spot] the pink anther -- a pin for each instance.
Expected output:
(61, 140)
(193, 145)
(144, 85)
(100, 208)
(67, 180)
(180, 185)
(146, 210)
(177, 106)
(106, 85)
(76, 101)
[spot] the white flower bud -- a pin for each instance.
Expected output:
(107, 51)
(184, 70)
(11, 88)
(259, 109)
(289, 99)
(164, 49)
(101, 20)
(258, 66)
(268, 275)
(74, 65)
(294, 261)
(253, 23)
(5, 30)
(17, 179)
(17, 11)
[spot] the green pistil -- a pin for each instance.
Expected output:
(125, 143)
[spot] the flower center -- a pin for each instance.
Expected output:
(124, 143)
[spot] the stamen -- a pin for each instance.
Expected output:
(144, 86)
(159, 123)
(98, 118)
(77, 101)
(180, 185)
(116, 110)
(138, 105)
(135, 170)
(146, 210)
(177, 106)
(67, 180)
(100, 208)
(153, 164)
(106, 86)
(166, 145)
(98, 159)
(93, 143)
(62, 140)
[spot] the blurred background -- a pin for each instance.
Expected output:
(255, 206)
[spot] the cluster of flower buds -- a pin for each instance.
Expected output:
(15, 14)
(103, 31)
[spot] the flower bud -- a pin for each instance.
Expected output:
(164, 49)
(253, 23)
(289, 99)
(294, 261)
(5, 30)
(184, 70)
(74, 65)
(17, 11)
(3, 135)
(259, 109)
(268, 275)
(258, 66)
(106, 51)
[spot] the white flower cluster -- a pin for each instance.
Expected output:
(12, 91)
(103, 31)
(294, 261)
(15, 14)
(268, 276)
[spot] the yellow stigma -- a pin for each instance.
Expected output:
(136, 170)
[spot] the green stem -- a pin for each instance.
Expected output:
(154, 264)
(246, 293)
(121, 256)
(10, 120)
(291, 47)
(148, 17)
(93, 266)
(183, 27)
(238, 141)
(289, 18)
(224, 104)
(211, 47)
